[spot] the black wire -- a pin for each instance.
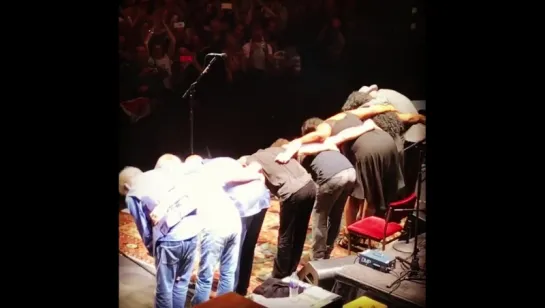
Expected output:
(398, 250)
(421, 245)
(406, 271)
(413, 145)
(421, 280)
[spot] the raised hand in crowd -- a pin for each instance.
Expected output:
(172, 39)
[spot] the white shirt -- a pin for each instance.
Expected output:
(403, 104)
(166, 64)
(216, 210)
(258, 56)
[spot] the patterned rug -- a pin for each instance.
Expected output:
(131, 244)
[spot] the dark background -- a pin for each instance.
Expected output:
(64, 123)
(234, 119)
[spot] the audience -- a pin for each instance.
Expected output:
(163, 43)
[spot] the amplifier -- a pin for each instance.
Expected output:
(322, 273)
(376, 259)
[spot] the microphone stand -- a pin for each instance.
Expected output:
(414, 265)
(192, 102)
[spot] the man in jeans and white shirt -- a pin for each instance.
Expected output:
(252, 200)
(220, 239)
(164, 211)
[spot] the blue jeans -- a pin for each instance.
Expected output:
(213, 248)
(174, 262)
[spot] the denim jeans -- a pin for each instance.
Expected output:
(328, 211)
(214, 247)
(174, 263)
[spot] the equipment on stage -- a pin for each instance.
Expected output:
(364, 302)
(322, 273)
(408, 231)
(192, 102)
(414, 272)
(376, 259)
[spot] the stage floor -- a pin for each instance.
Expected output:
(130, 245)
(136, 285)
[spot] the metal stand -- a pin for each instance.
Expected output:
(415, 270)
(192, 102)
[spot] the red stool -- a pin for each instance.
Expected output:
(377, 228)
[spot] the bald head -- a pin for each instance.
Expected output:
(193, 159)
(168, 161)
(193, 163)
(126, 177)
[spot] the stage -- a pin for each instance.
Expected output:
(136, 285)
(130, 245)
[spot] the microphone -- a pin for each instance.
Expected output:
(223, 55)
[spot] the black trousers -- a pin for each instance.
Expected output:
(411, 168)
(251, 226)
(294, 218)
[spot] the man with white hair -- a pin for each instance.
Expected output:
(252, 199)
(221, 235)
(168, 161)
(165, 213)
(170, 164)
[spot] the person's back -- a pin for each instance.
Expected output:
(325, 165)
(220, 239)
(252, 200)
(297, 193)
(282, 179)
(249, 197)
(218, 211)
(165, 213)
(377, 162)
(338, 126)
(412, 133)
(335, 177)
(375, 140)
(155, 188)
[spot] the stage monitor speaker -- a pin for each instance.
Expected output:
(322, 273)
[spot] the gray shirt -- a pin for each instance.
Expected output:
(283, 180)
(403, 104)
(325, 165)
